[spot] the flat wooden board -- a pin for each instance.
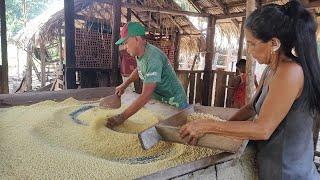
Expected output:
(7, 100)
(189, 167)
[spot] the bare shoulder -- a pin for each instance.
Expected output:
(289, 76)
(290, 71)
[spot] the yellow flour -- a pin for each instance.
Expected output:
(198, 116)
(68, 140)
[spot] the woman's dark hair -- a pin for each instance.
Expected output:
(296, 29)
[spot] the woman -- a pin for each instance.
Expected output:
(239, 84)
(284, 38)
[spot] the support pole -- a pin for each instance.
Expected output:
(4, 52)
(128, 12)
(43, 63)
(29, 68)
(208, 76)
(116, 10)
(177, 42)
(251, 64)
(241, 39)
(70, 74)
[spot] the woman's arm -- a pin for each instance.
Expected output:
(285, 87)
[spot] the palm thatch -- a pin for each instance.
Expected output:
(158, 24)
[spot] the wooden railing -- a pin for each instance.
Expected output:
(194, 85)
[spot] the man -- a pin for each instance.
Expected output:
(153, 68)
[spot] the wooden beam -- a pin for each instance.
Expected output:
(171, 19)
(240, 49)
(4, 52)
(157, 9)
(223, 6)
(61, 52)
(177, 50)
(128, 12)
(208, 75)
(195, 6)
(251, 64)
(7, 100)
(232, 15)
(116, 9)
(70, 75)
(29, 65)
(43, 64)
(139, 19)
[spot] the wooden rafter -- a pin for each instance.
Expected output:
(225, 10)
(157, 9)
(171, 19)
(196, 6)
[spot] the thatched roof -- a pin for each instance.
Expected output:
(227, 30)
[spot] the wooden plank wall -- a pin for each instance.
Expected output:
(194, 86)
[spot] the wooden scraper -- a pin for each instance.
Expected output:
(111, 102)
(150, 137)
(168, 130)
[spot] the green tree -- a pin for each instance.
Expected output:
(19, 12)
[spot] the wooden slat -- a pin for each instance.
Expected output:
(230, 91)
(191, 88)
(199, 88)
(190, 167)
(220, 89)
(7, 100)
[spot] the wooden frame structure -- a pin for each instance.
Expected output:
(4, 54)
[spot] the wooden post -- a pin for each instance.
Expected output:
(241, 39)
(208, 75)
(116, 10)
(70, 74)
(177, 50)
(61, 54)
(316, 127)
(220, 90)
(4, 52)
(43, 63)
(128, 12)
(251, 64)
(18, 61)
(29, 67)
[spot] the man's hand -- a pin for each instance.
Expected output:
(115, 121)
(120, 89)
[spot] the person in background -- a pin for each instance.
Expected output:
(239, 85)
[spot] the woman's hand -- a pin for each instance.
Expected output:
(195, 130)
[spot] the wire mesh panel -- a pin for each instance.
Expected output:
(92, 49)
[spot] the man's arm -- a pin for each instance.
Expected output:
(133, 77)
(145, 96)
(134, 107)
